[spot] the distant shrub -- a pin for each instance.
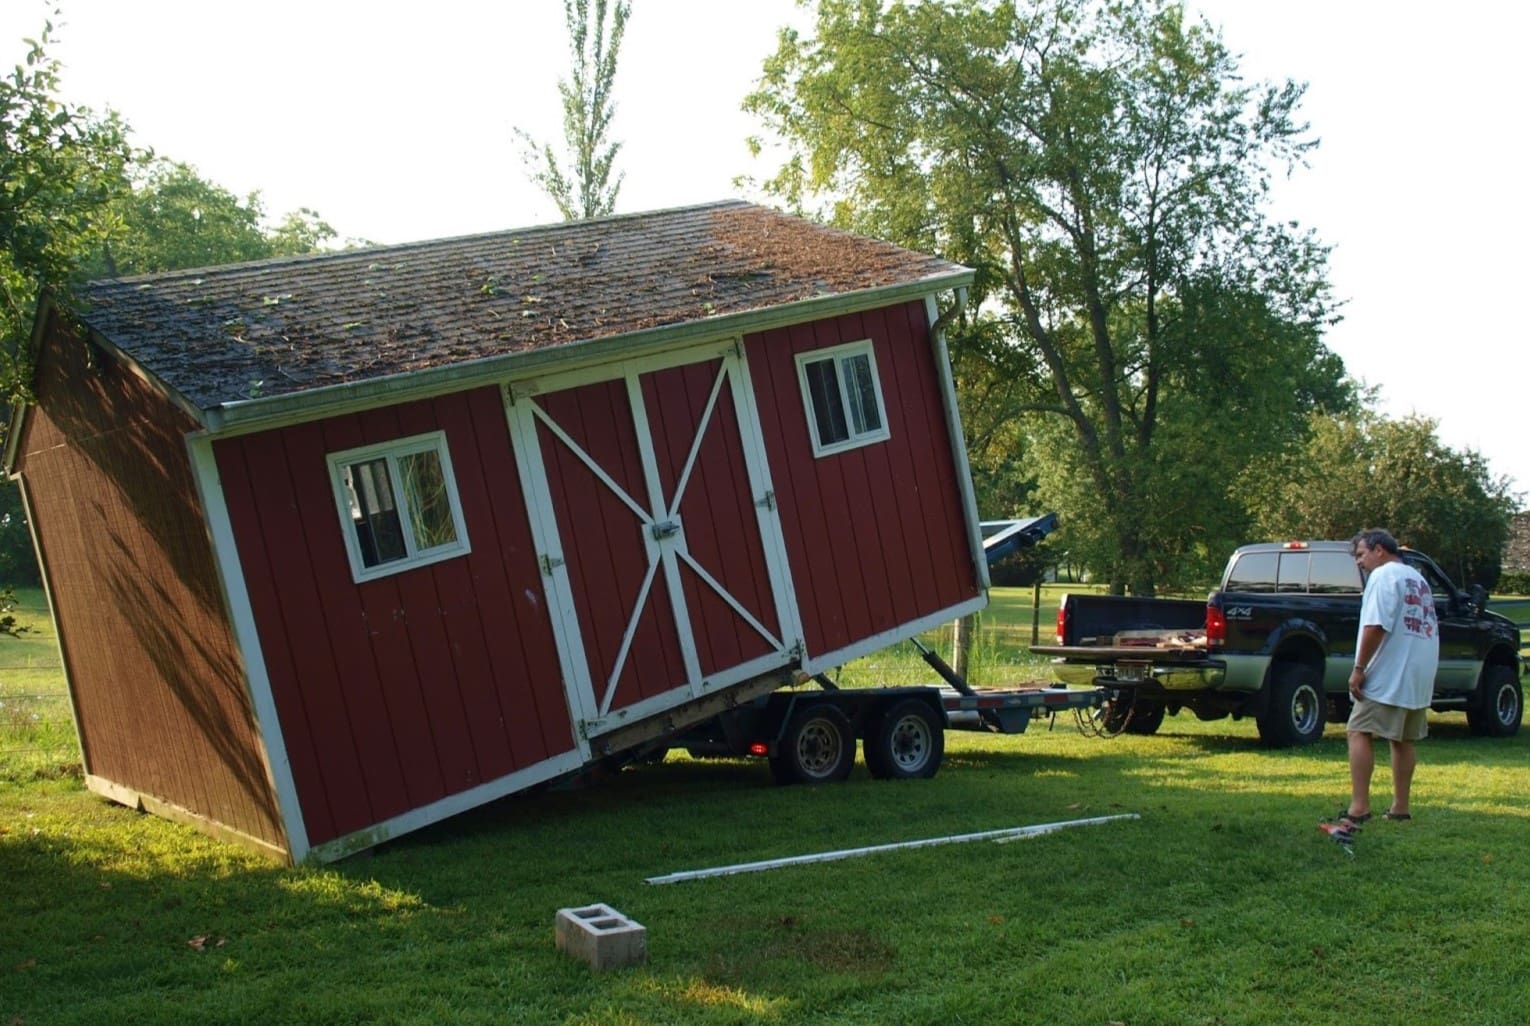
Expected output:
(1513, 582)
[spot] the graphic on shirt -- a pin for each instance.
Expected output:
(1419, 619)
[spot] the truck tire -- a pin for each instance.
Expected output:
(1498, 705)
(817, 747)
(1132, 714)
(906, 742)
(1295, 709)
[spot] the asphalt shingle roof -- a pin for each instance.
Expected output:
(279, 327)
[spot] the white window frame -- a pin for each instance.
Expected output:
(841, 354)
(392, 452)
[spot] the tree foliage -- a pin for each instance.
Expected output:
(1362, 471)
(78, 200)
(1105, 169)
(584, 188)
(60, 167)
(172, 219)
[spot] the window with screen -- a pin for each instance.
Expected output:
(843, 397)
(398, 505)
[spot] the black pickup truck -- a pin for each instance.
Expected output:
(1276, 641)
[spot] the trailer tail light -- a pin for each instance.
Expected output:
(1064, 612)
(759, 748)
(1216, 627)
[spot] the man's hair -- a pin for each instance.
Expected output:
(1374, 538)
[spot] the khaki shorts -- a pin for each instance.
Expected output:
(1389, 721)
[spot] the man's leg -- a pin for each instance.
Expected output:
(1362, 762)
(1404, 759)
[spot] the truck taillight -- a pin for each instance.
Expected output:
(1063, 612)
(1216, 626)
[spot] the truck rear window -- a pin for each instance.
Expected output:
(1294, 573)
(1334, 573)
(1253, 572)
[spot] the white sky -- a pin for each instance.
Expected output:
(394, 122)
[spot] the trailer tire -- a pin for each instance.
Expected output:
(817, 747)
(1499, 704)
(906, 742)
(1296, 708)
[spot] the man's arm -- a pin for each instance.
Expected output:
(1371, 637)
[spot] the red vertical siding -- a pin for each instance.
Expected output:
(875, 535)
(395, 692)
(153, 665)
(508, 580)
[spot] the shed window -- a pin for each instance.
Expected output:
(398, 505)
(843, 397)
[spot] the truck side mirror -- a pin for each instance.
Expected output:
(1477, 598)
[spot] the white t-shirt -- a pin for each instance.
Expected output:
(1398, 599)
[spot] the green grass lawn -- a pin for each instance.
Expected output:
(36, 725)
(1220, 904)
(1518, 610)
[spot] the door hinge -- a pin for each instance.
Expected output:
(548, 562)
(768, 502)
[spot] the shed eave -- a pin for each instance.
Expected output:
(243, 416)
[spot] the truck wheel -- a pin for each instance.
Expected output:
(1498, 705)
(1147, 718)
(1296, 707)
(906, 743)
(818, 747)
(1129, 714)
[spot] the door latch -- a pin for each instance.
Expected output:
(665, 528)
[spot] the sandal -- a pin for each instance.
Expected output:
(1343, 816)
(1397, 817)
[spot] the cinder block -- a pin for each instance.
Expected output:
(601, 936)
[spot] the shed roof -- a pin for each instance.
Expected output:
(253, 332)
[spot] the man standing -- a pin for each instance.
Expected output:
(1396, 655)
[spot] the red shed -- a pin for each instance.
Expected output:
(339, 546)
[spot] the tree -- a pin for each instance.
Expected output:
(173, 219)
(1362, 471)
(1105, 169)
(69, 209)
(585, 188)
(60, 167)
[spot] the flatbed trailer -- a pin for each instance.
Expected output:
(809, 735)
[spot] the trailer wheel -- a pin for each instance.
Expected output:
(1498, 705)
(1296, 709)
(818, 747)
(906, 743)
